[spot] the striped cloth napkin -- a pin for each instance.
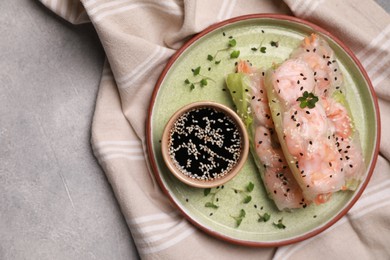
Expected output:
(139, 36)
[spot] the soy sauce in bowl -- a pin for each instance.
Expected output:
(205, 144)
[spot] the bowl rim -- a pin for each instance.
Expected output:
(185, 46)
(205, 183)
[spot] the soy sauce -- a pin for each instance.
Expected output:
(205, 143)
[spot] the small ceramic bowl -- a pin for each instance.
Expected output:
(205, 144)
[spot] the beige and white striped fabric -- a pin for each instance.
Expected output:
(138, 37)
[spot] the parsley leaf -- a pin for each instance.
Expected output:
(232, 43)
(239, 218)
(250, 187)
(206, 191)
(274, 44)
(203, 82)
(210, 205)
(279, 224)
(235, 54)
(264, 218)
(196, 71)
(307, 100)
(247, 199)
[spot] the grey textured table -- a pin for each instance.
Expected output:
(55, 201)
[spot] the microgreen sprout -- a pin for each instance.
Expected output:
(248, 189)
(264, 218)
(239, 218)
(307, 100)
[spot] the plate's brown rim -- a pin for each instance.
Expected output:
(149, 138)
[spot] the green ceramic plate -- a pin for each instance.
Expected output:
(171, 93)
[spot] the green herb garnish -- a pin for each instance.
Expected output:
(232, 43)
(264, 218)
(211, 205)
(250, 187)
(262, 49)
(209, 57)
(274, 44)
(247, 199)
(196, 71)
(203, 82)
(307, 100)
(239, 218)
(254, 49)
(234, 54)
(279, 224)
